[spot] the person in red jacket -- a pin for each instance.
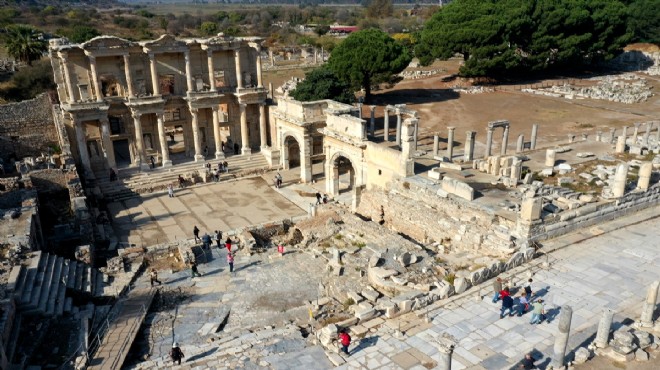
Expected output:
(505, 293)
(228, 245)
(345, 341)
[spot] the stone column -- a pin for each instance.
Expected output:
(505, 140)
(196, 139)
(108, 149)
(162, 138)
(620, 177)
(219, 154)
(446, 345)
(599, 136)
(189, 77)
(416, 134)
(305, 159)
(645, 172)
(155, 86)
(612, 132)
(657, 135)
(398, 127)
(372, 122)
(263, 129)
(332, 176)
(604, 326)
(535, 131)
(450, 142)
(550, 155)
(625, 133)
(561, 340)
(620, 145)
(359, 110)
(211, 68)
(239, 71)
(646, 319)
(95, 78)
(436, 144)
(260, 82)
(516, 170)
(386, 128)
(469, 146)
(520, 144)
(635, 133)
(245, 138)
(647, 133)
(489, 142)
(67, 77)
(127, 72)
(141, 158)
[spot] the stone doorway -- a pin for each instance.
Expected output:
(176, 142)
(291, 153)
(342, 177)
(122, 152)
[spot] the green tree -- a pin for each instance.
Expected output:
(380, 8)
(208, 28)
(79, 33)
(644, 20)
(321, 83)
(368, 57)
(24, 43)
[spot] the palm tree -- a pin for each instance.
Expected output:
(23, 43)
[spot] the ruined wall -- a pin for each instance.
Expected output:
(421, 214)
(26, 128)
(383, 165)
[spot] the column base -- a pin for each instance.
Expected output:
(219, 155)
(167, 163)
(199, 158)
(246, 150)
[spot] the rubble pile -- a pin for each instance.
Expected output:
(288, 86)
(415, 75)
(472, 89)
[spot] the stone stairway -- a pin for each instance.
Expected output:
(131, 182)
(41, 286)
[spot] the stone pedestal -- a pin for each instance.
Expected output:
(620, 178)
(620, 145)
(550, 155)
(645, 172)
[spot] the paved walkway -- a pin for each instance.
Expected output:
(612, 270)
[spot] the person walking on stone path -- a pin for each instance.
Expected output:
(507, 303)
(497, 288)
(196, 233)
(527, 362)
(218, 238)
(206, 239)
(193, 269)
(318, 198)
(170, 190)
(523, 304)
(344, 341)
(153, 277)
(176, 353)
(230, 262)
(528, 289)
(228, 244)
(278, 180)
(538, 311)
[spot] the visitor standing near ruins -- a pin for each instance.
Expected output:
(528, 289)
(218, 238)
(318, 198)
(228, 244)
(230, 262)
(325, 198)
(236, 148)
(538, 311)
(226, 166)
(523, 304)
(345, 341)
(527, 363)
(113, 175)
(153, 277)
(193, 269)
(182, 182)
(196, 233)
(206, 239)
(176, 353)
(170, 190)
(278, 180)
(216, 175)
(497, 288)
(206, 151)
(153, 162)
(507, 303)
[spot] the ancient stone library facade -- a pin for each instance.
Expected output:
(126, 102)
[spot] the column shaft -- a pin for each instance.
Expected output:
(219, 154)
(505, 140)
(95, 78)
(108, 149)
(386, 128)
(649, 304)
(239, 71)
(211, 68)
(604, 326)
(67, 79)
(127, 72)
(82, 146)
(196, 139)
(260, 83)
(141, 158)
(245, 134)
(162, 139)
(436, 144)
(155, 86)
(398, 128)
(372, 122)
(561, 340)
(489, 142)
(263, 129)
(450, 143)
(535, 131)
(189, 80)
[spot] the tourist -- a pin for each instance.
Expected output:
(113, 175)
(206, 151)
(208, 167)
(236, 148)
(226, 166)
(538, 312)
(528, 289)
(507, 303)
(318, 198)
(523, 304)
(170, 190)
(216, 176)
(228, 244)
(325, 198)
(206, 239)
(218, 238)
(196, 233)
(344, 341)
(153, 162)
(223, 146)
(278, 180)
(182, 182)
(176, 353)
(527, 363)
(193, 269)
(153, 277)
(230, 261)
(220, 169)
(497, 288)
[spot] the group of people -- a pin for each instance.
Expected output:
(321, 199)
(206, 241)
(525, 302)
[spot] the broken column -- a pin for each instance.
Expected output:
(646, 319)
(436, 143)
(599, 136)
(407, 141)
(535, 131)
(620, 145)
(469, 145)
(372, 123)
(561, 340)
(386, 123)
(505, 140)
(550, 155)
(645, 172)
(520, 144)
(531, 207)
(489, 142)
(398, 127)
(360, 110)
(571, 138)
(604, 326)
(619, 185)
(446, 345)
(635, 132)
(647, 133)
(516, 170)
(450, 142)
(624, 133)
(612, 132)
(416, 133)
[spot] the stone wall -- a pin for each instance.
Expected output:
(26, 128)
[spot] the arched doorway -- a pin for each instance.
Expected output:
(341, 177)
(291, 153)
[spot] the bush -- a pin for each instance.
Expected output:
(29, 82)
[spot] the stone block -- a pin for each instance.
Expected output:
(347, 323)
(383, 273)
(435, 174)
(358, 330)
(641, 355)
(451, 166)
(582, 355)
(365, 314)
(391, 310)
(335, 358)
(643, 339)
(370, 294)
(461, 285)
(327, 335)
(374, 261)
(445, 290)
(355, 296)
(405, 305)
(458, 188)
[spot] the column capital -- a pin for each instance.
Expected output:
(136, 114)
(152, 56)
(242, 106)
(76, 120)
(104, 120)
(63, 55)
(372, 107)
(209, 52)
(186, 55)
(194, 110)
(451, 128)
(91, 57)
(215, 108)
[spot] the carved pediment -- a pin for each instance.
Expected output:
(106, 42)
(165, 42)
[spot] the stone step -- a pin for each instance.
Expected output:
(42, 282)
(37, 263)
(16, 281)
(60, 300)
(68, 304)
(80, 271)
(51, 285)
(87, 277)
(98, 287)
(71, 279)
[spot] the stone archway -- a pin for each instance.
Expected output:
(340, 174)
(291, 158)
